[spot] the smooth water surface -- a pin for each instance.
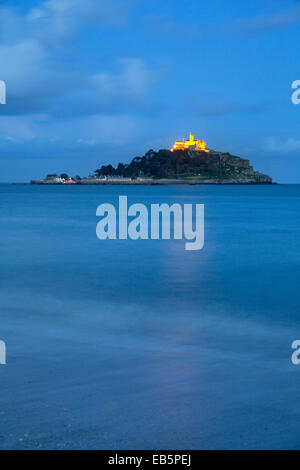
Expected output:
(141, 344)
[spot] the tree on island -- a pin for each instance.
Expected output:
(186, 164)
(161, 164)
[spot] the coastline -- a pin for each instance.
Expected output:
(158, 182)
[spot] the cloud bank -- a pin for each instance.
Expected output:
(263, 23)
(47, 86)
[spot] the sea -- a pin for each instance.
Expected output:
(141, 344)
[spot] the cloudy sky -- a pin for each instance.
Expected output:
(91, 82)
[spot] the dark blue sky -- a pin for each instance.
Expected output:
(91, 82)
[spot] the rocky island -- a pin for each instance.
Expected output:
(188, 162)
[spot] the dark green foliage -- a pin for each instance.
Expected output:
(187, 164)
(165, 164)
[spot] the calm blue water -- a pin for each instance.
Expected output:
(141, 344)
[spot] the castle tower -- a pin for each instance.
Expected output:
(185, 144)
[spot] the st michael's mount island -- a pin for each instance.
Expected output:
(188, 162)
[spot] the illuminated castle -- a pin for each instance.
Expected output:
(195, 144)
